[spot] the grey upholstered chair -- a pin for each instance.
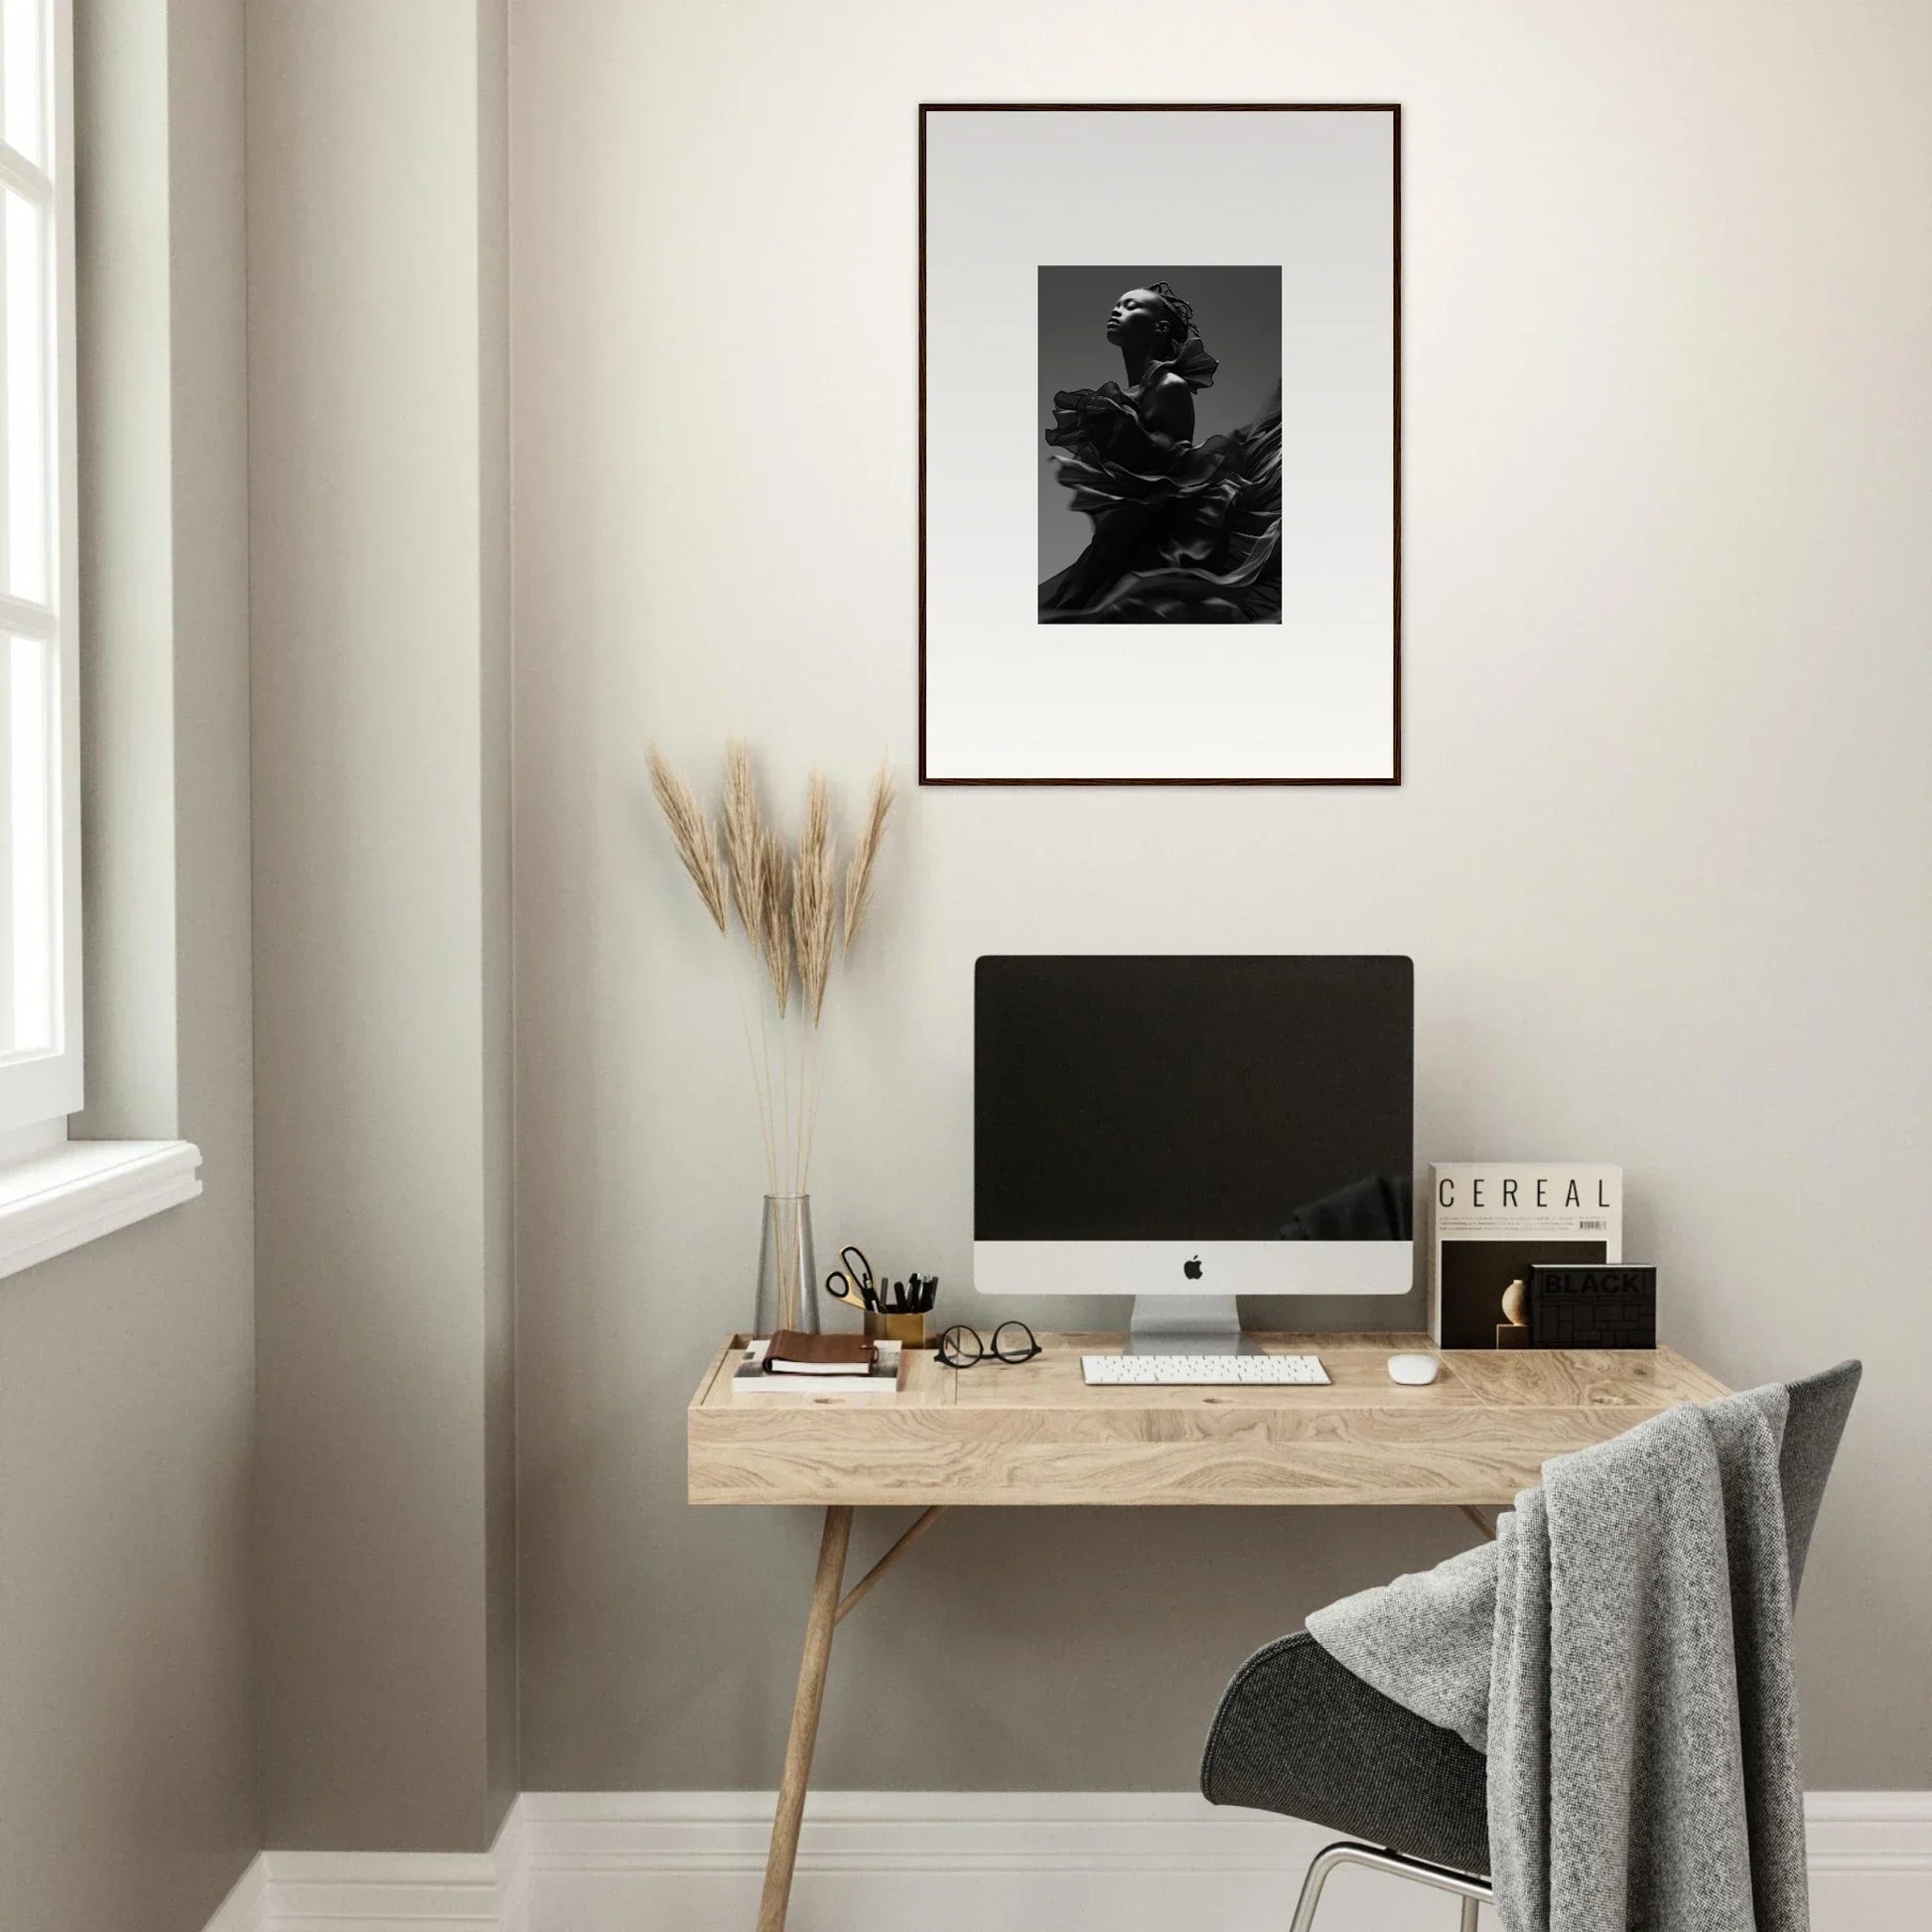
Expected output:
(1299, 1733)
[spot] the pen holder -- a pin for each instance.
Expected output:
(909, 1330)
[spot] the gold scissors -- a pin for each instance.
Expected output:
(852, 1280)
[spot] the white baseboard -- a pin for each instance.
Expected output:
(385, 1891)
(954, 1861)
(1869, 1853)
(938, 1861)
(246, 1909)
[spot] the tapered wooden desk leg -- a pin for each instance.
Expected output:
(1478, 1519)
(804, 1719)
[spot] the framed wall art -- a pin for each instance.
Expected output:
(1159, 444)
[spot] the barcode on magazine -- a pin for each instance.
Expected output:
(1599, 1225)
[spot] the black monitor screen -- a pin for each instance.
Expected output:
(1169, 1098)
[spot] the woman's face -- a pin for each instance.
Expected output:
(1139, 319)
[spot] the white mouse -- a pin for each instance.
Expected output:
(1414, 1369)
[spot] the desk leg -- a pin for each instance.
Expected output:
(804, 1719)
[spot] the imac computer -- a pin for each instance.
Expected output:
(1187, 1130)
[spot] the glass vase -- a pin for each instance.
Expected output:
(787, 1271)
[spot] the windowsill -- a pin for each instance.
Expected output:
(79, 1191)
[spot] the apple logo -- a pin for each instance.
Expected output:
(1191, 1268)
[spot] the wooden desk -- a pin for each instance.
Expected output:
(1034, 1433)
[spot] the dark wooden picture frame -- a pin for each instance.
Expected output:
(1394, 775)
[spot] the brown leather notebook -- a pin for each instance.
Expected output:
(793, 1353)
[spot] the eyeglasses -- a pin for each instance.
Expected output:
(1013, 1342)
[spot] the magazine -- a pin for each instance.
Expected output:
(1490, 1220)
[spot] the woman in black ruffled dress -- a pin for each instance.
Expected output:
(1182, 533)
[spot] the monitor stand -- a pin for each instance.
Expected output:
(1186, 1325)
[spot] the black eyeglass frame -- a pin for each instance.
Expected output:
(949, 1357)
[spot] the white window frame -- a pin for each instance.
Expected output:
(38, 1090)
(54, 1193)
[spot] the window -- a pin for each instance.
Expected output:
(56, 1194)
(39, 870)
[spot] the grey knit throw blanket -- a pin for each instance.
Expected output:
(1622, 1652)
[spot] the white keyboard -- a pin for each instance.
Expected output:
(1203, 1372)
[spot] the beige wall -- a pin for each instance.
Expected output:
(126, 1372)
(379, 510)
(1659, 857)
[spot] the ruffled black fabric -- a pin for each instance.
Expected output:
(1192, 536)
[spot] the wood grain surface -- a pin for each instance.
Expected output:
(1034, 1432)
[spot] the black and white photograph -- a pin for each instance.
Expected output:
(1160, 450)
(1161, 490)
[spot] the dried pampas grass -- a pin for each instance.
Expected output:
(774, 917)
(858, 874)
(744, 838)
(814, 897)
(787, 905)
(692, 834)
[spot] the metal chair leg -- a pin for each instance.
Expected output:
(1324, 1863)
(1471, 1890)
